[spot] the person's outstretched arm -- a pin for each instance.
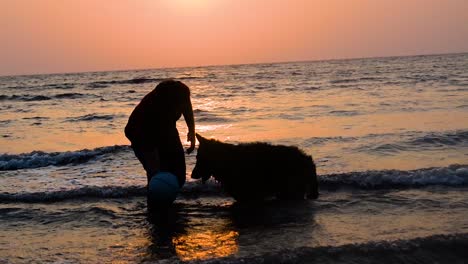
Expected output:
(189, 119)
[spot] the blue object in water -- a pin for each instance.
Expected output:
(163, 189)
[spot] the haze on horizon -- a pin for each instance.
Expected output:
(55, 36)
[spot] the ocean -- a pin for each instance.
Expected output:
(389, 137)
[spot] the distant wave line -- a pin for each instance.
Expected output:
(31, 98)
(426, 141)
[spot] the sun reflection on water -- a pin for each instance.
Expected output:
(206, 244)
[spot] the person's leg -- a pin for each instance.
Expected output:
(172, 159)
(179, 165)
(150, 159)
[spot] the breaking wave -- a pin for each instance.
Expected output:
(454, 175)
(37, 159)
(427, 141)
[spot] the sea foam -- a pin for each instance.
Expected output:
(455, 175)
(37, 159)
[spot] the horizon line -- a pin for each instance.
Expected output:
(237, 64)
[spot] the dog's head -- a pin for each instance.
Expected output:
(205, 159)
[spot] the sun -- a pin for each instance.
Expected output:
(190, 3)
(193, 4)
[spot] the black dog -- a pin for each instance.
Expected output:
(253, 171)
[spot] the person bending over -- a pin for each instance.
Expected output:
(152, 130)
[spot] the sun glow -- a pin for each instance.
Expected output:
(68, 36)
(196, 5)
(206, 244)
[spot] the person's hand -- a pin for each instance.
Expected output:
(191, 139)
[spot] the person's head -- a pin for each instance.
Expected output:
(173, 92)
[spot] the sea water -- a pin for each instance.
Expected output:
(389, 137)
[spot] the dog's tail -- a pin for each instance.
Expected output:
(312, 182)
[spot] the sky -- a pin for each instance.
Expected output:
(56, 36)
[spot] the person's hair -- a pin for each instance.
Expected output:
(172, 91)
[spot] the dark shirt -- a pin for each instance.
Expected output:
(153, 122)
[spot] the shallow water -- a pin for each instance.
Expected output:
(389, 136)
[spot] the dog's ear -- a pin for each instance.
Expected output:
(200, 138)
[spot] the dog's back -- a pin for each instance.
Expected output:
(253, 171)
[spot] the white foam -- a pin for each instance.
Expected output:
(455, 175)
(37, 159)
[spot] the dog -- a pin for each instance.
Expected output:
(255, 171)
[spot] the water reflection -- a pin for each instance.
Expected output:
(190, 232)
(204, 231)
(204, 244)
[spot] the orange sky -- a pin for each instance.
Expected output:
(46, 36)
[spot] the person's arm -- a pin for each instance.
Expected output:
(188, 116)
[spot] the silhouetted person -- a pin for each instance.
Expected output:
(152, 129)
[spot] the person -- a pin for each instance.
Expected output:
(152, 130)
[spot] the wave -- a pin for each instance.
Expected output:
(79, 193)
(37, 159)
(125, 81)
(91, 117)
(71, 96)
(190, 190)
(338, 81)
(427, 141)
(23, 87)
(438, 139)
(206, 117)
(39, 118)
(425, 77)
(25, 98)
(30, 98)
(344, 113)
(139, 80)
(317, 141)
(454, 175)
(61, 216)
(379, 79)
(210, 119)
(5, 122)
(432, 249)
(59, 85)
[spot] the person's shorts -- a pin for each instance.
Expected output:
(171, 158)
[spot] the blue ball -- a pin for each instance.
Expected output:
(163, 189)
